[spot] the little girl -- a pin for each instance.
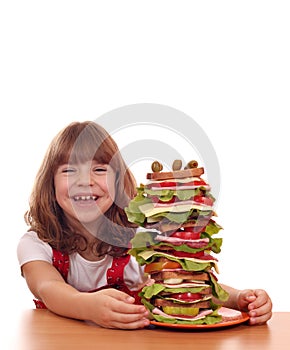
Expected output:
(74, 255)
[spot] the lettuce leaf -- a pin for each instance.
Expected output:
(135, 215)
(149, 291)
(181, 218)
(132, 211)
(182, 194)
(166, 195)
(213, 318)
(188, 264)
(146, 239)
(217, 289)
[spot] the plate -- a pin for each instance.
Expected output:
(230, 318)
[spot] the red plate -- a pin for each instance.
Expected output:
(230, 318)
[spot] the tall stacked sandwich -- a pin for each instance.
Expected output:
(175, 243)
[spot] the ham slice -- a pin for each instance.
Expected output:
(177, 188)
(177, 203)
(201, 315)
(229, 314)
(184, 285)
(173, 240)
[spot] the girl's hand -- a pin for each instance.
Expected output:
(257, 303)
(111, 308)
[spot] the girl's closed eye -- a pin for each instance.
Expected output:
(68, 170)
(101, 169)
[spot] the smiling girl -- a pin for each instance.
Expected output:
(74, 256)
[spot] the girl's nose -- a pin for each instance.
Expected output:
(85, 179)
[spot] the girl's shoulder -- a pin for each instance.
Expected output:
(30, 248)
(32, 238)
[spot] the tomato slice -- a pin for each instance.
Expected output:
(188, 235)
(180, 254)
(163, 184)
(203, 200)
(176, 183)
(186, 296)
(161, 265)
(194, 183)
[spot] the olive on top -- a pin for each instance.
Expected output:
(176, 165)
(191, 164)
(156, 166)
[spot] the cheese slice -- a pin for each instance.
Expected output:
(149, 209)
(184, 180)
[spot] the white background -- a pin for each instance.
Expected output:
(224, 63)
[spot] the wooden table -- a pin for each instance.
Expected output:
(43, 330)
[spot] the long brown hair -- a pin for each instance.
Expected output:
(79, 142)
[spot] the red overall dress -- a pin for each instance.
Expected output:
(115, 275)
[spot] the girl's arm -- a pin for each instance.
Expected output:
(108, 308)
(254, 301)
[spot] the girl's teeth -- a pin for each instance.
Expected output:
(84, 198)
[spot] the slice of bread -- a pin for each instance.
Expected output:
(178, 174)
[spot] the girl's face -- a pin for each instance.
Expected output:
(85, 191)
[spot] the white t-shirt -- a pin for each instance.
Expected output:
(84, 275)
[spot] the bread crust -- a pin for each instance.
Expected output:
(206, 291)
(179, 174)
(199, 304)
(182, 274)
(170, 226)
